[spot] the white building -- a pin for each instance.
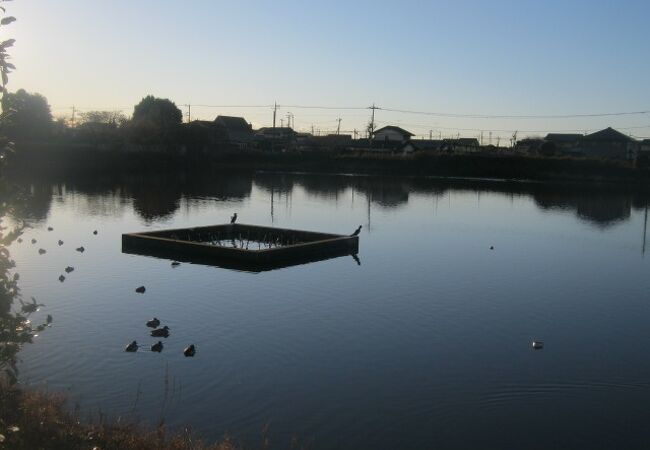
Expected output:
(391, 134)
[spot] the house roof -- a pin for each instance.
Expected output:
(399, 130)
(233, 123)
(462, 141)
(276, 130)
(608, 134)
(424, 144)
(563, 137)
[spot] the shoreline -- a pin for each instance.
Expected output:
(50, 160)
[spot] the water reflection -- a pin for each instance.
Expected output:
(157, 198)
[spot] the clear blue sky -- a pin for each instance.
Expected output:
(487, 57)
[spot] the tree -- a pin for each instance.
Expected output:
(15, 327)
(6, 146)
(100, 127)
(154, 119)
(113, 118)
(27, 115)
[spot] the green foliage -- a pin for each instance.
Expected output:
(15, 326)
(28, 115)
(154, 120)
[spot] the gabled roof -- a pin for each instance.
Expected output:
(399, 130)
(608, 134)
(233, 123)
(563, 137)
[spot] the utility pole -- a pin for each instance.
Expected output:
(74, 110)
(498, 140)
(338, 127)
(481, 139)
(289, 119)
(490, 138)
(355, 133)
(275, 107)
(371, 129)
(189, 112)
(281, 123)
(430, 135)
(312, 129)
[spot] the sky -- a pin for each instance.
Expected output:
(485, 58)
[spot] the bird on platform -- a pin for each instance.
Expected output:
(157, 347)
(491, 247)
(60, 242)
(140, 290)
(538, 345)
(153, 323)
(95, 232)
(190, 351)
(233, 219)
(50, 228)
(61, 278)
(42, 251)
(81, 249)
(69, 269)
(33, 241)
(161, 332)
(357, 231)
(175, 264)
(132, 347)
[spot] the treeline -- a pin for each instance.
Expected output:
(156, 122)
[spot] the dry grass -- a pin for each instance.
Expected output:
(42, 421)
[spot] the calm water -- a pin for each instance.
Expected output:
(426, 344)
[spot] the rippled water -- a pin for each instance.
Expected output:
(425, 344)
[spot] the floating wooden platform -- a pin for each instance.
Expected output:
(240, 246)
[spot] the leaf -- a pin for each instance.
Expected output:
(7, 20)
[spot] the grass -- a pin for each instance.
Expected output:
(32, 420)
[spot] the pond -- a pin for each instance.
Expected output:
(423, 340)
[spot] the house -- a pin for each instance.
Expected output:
(529, 146)
(277, 133)
(460, 145)
(276, 138)
(644, 145)
(422, 145)
(237, 130)
(610, 144)
(564, 142)
(391, 135)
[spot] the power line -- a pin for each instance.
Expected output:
(408, 111)
(517, 116)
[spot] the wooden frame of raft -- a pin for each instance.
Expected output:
(189, 244)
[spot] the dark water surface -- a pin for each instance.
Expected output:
(426, 344)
